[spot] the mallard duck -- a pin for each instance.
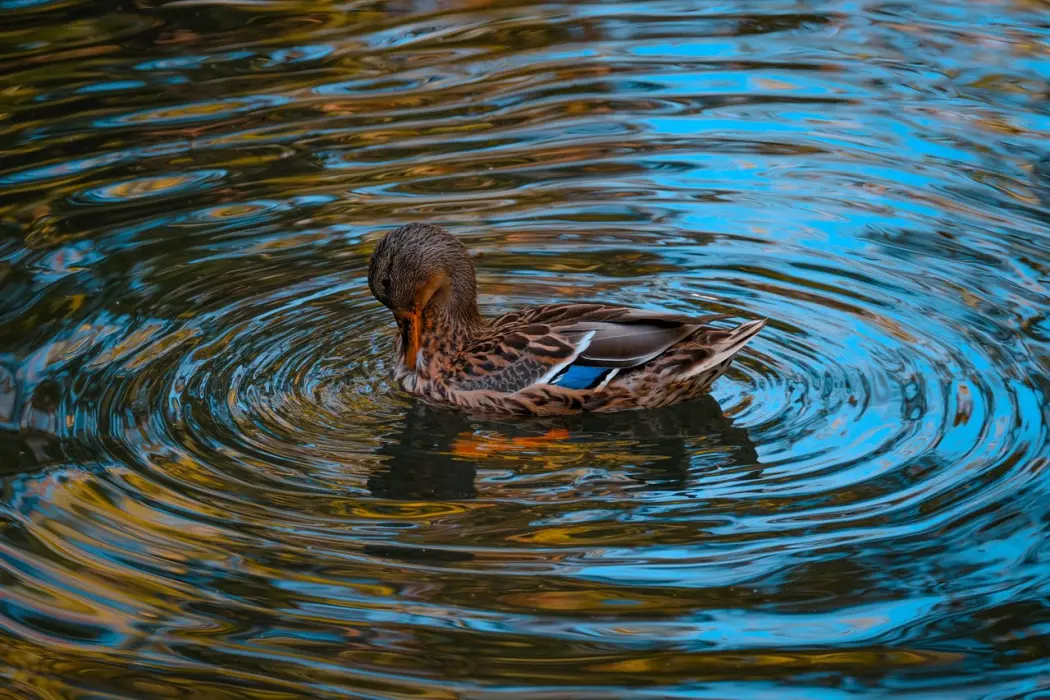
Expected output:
(544, 360)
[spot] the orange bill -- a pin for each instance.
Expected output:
(411, 328)
(411, 322)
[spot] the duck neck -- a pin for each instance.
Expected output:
(447, 328)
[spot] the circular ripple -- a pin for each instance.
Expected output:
(195, 111)
(151, 187)
(218, 492)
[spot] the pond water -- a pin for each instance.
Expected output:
(210, 489)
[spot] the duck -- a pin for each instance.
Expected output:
(555, 359)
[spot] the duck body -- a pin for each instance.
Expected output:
(546, 360)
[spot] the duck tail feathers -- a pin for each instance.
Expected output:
(724, 348)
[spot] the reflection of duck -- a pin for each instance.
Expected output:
(436, 453)
(548, 360)
(422, 464)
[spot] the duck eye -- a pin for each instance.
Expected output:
(386, 285)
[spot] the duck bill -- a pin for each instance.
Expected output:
(410, 323)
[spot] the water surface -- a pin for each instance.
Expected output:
(211, 490)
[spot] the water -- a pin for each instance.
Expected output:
(211, 490)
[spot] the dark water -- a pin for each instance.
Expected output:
(210, 490)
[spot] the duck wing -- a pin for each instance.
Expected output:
(575, 346)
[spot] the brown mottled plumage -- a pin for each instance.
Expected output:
(546, 360)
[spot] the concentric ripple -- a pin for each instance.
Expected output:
(210, 488)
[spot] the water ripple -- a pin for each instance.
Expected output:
(151, 187)
(211, 489)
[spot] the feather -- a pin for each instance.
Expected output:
(623, 345)
(581, 344)
(608, 378)
(546, 345)
(724, 349)
(578, 376)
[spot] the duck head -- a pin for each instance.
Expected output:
(425, 276)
